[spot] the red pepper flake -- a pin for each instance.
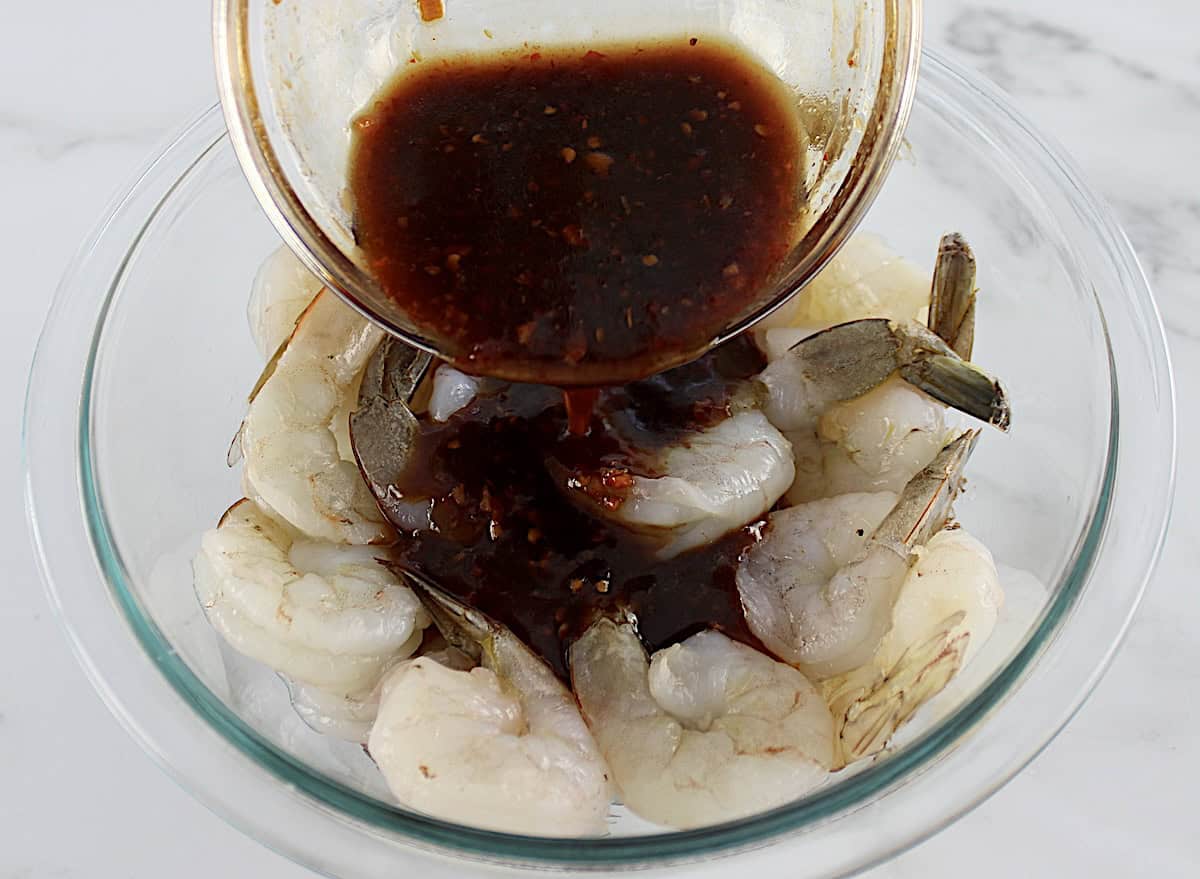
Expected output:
(593, 142)
(693, 41)
(762, 130)
(525, 332)
(649, 260)
(698, 115)
(549, 110)
(730, 270)
(568, 155)
(574, 236)
(599, 162)
(431, 10)
(576, 348)
(686, 129)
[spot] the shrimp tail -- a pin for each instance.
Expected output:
(383, 427)
(952, 303)
(465, 629)
(960, 385)
(925, 505)
(870, 706)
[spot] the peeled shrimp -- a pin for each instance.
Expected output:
(714, 482)
(321, 614)
(883, 438)
(845, 362)
(946, 610)
(708, 730)
(282, 289)
(822, 601)
(501, 746)
(876, 442)
(290, 447)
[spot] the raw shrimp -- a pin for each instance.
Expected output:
(708, 730)
(880, 440)
(716, 481)
(823, 603)
(946, 610)
(290, 448)
(501, 746)
(848, 360)
(282, 289)
(876, 442)
(321, 614)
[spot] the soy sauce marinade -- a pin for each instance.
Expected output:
(578, 216)
(517, 531)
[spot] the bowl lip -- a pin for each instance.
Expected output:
(242, 106)
(659, 848)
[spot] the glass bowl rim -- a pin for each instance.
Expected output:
(883, 134)
(657, 848)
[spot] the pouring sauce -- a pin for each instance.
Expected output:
(592, 215)
(514, 493)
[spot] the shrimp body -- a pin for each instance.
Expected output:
(876, 442)
(820, 602)
(281, 290)
(708, 730)
(716, 481)
(289, 443)
(500, 746)
(945, 611)
(321, 614)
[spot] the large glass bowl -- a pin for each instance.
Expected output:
(140, 382)
(293, 76)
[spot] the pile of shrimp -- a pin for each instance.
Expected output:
(865, 592)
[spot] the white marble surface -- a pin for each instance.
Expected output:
(89, 89)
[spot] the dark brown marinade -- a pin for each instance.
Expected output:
(610, 210)
(517, 534)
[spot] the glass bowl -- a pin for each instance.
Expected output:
(293, 76)
(139, 383)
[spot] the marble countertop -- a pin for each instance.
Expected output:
(90, 89)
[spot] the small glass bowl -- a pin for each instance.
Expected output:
(292, 76)
(139, 382)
